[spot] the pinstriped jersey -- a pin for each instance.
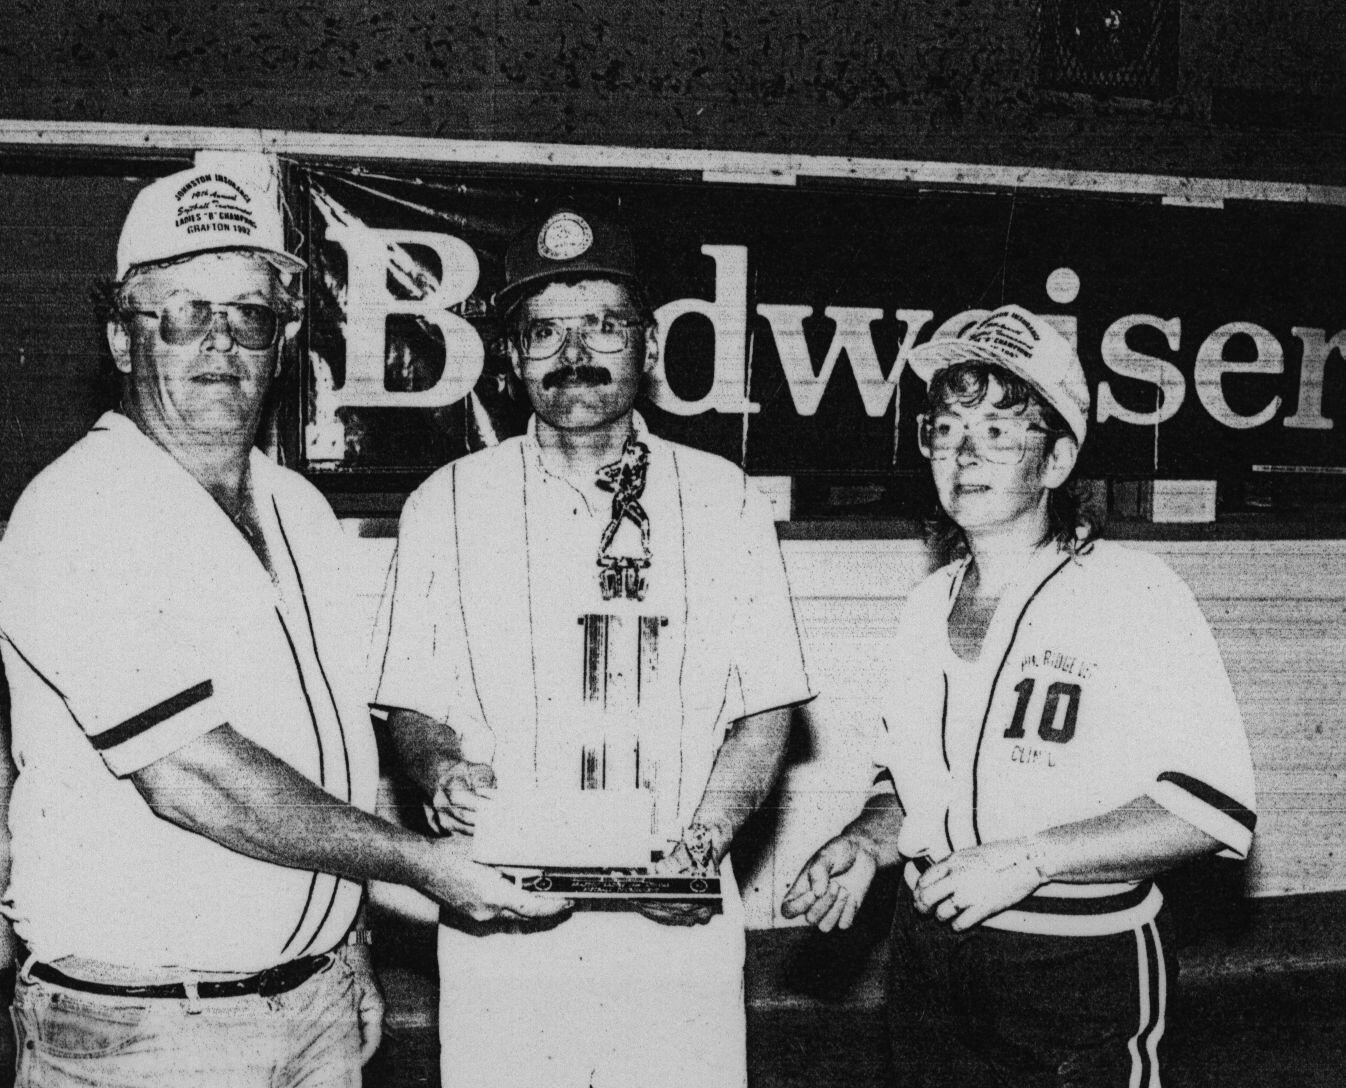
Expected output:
(498, 625)
(1098, 681)
(135, 619)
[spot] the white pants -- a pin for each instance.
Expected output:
(602, 1000)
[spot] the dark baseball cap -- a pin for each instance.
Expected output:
(566, 242)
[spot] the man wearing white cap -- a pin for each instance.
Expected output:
(588, 612)
(1060, 729)
(192, 821)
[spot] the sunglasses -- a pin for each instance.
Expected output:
(253, 326)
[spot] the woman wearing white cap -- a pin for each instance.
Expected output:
(1060, 729)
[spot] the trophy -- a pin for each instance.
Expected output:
(591, 828)
(585, 844)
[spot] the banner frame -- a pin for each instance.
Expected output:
(751, 167)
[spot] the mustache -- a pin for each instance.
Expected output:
(583, 374)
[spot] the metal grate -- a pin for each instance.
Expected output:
(1119, 47)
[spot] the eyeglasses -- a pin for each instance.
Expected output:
(1000, 441)
(601, 333)
(253, 326)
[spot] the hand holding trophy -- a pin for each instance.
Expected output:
(695, 860)
(463, 789)
(463, 785)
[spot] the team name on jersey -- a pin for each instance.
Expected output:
(1028, 754)
(1059, 661)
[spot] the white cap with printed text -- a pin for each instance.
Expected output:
(223, 202)
(1025, 345)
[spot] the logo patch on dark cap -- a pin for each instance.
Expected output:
(564, 237)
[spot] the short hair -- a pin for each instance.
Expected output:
(1069, 523)
(286, 293)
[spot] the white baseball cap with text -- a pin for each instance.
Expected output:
(227, 200)
(1025, 345)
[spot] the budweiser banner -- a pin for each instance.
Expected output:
(1212, 336)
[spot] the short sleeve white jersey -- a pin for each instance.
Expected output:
(134, 619)
(1099, 681)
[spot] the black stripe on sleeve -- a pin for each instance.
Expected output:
(1213, 797)
(155, 715)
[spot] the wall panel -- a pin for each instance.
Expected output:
(1278, 610)
(1257, 91)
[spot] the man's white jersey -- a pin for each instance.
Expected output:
(135, 619)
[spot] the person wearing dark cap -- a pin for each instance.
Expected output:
(589, 609)
(193, 824)
(1059, 729)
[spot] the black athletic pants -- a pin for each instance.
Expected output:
(994, 1008)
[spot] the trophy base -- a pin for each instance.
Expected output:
(630, 884)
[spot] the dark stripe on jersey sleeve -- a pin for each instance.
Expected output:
(148, 719)
(1213, 797)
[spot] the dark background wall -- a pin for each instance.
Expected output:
(1241, 89)
(1254, 90)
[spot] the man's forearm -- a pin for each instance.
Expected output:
(225, 788)
(228, 789)
(745, 771)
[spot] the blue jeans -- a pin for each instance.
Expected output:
(306, 1038)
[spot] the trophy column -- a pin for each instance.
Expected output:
(621, 663)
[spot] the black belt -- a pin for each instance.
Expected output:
(274, 980)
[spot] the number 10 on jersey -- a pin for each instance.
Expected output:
(1060, 709)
